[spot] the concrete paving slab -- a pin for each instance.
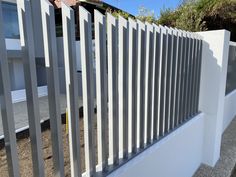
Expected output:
(21, 116)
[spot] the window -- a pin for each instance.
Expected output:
(10, 20)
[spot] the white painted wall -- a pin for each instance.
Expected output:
(212, 90)
(229, 109)
(177, 155)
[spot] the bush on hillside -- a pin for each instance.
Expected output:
(202, 15)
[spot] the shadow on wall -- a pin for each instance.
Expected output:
(210, 72)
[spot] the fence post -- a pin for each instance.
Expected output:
(215, 49)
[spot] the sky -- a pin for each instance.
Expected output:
(132, 6)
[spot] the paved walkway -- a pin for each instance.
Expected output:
(227, 161)
(21, 116)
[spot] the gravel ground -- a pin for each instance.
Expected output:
(24, 153)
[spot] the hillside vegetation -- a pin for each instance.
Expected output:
(202, 15)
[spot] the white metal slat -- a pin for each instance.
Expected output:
(148, 83)
(50, 51)
(112, 43)
(196, 75)
(173, 79)
(186, 85)
(28, 50)
(163, 69)
(195, 109)
(189, 75)
(156, 86)
(123, 86)
(140, 85)
(182, 87)
(101, 78)
(199, 73)
(191, 98)
(178, 72)
(71, 88)
(132, 79)
(88, 89)
(7, 108)
(169, 79)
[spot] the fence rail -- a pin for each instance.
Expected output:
(147, 85)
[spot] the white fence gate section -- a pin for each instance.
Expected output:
(147, 85)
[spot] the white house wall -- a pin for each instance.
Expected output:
(13, 44)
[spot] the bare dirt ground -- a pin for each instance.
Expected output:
(24, 154)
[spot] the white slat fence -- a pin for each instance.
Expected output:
(147, 85)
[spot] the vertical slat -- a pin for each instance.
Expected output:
(132, 73)
(196, 75)
(189, 75)
(140, 86)
(6, 107)
(185, 76)
(163, 69)
(123, 86)
(199, 72)
(169, 79)
(179, 72)
(28, 50)
(101, 78)
(167, 84)
(88, 89)
(191, 101)
(50, 50)
(187, 66)
(112, 43)
(182, 86)
(156, 86)
(148, 83)
(173, 96)
(187, 48)
(71, 88)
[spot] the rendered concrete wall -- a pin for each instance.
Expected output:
(177, 155)
(212, 90)
(229, 109)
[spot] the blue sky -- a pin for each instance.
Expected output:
(132, 6)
